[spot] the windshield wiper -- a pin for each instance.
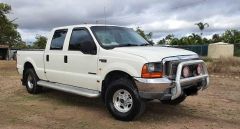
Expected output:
(145, 44)
(128, 44)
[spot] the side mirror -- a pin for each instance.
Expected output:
(88, 47)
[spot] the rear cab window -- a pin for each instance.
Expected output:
(58, 39)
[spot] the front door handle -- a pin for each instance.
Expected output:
(65, 59)
(103, 60)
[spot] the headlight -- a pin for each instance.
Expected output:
(186, 71)
(199, 69)
(152, 70)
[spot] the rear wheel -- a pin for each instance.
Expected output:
(31, 82)
(122, 100)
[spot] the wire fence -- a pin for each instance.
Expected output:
(237, 50)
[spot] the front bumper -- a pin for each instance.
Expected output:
(164, 88)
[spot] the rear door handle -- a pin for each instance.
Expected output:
(47, 58)
(65, 59)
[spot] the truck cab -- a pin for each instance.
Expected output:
(115, 63)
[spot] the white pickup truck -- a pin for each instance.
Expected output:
(115, 63)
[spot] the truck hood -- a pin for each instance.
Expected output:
(154, 53)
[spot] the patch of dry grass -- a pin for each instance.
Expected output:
(224, 65)
(8, 68)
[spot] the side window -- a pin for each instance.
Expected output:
(80, 39)
(58, 39)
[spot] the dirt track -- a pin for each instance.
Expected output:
(216, 107)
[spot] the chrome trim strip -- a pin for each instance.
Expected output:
(193, 78)
(181, 57)
(153, 85)
(70, 89)
(153, 80)
(188, 57)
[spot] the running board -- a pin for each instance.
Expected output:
(70, 89)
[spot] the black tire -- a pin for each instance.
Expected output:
(137, 105)
(31, 79)
(176, 101)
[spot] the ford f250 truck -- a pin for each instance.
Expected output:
(115, 63)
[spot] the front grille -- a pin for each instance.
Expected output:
(171, 69)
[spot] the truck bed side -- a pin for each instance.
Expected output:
(35, 58)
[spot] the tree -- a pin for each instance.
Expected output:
(206, 41)
(202, 26)
(192, 39)
(8, 30)
(174, 41)
(146, 36)
(186, 41)
(231, 36)
(169, 38)
(20, 45)
(195, 39)
(216, 38)
(40, 42)
(161, 42)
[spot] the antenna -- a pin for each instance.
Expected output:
(105, 19)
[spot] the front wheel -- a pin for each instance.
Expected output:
(122, 100)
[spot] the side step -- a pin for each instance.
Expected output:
(70, 89)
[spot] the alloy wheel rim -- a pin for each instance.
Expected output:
(30, 81)
(122, 100)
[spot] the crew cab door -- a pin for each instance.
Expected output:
(81, 60)
(54, 56)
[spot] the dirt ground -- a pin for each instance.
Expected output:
(215, 108)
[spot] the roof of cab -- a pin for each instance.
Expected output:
(82, 25)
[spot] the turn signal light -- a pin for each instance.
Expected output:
(150, 74)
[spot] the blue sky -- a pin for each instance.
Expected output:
(161, 17)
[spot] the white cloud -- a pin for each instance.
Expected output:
(226, 22)
(29, 35)
(159, 16)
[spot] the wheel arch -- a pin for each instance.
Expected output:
(111, 76)
(27, 65)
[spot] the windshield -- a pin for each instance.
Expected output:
(113, 36)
